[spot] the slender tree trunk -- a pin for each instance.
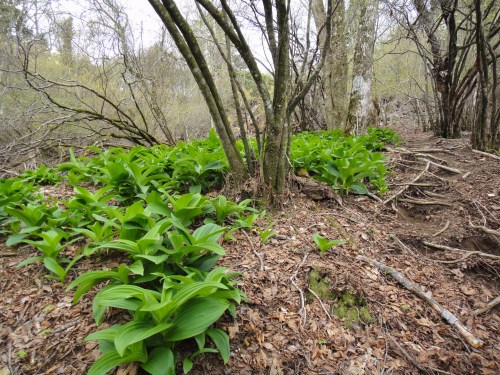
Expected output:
(275, 157)
(335, 68)
(360, 105)
(479, 130)
(190, 50)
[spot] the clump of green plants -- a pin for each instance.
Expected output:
(347, 163)
(323, 244)
(352, 309)
(148, 205)
(320, 285)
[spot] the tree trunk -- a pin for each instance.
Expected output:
(276, 147)
(358, 114)
(335, 68)
(190, 50)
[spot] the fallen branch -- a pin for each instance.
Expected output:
(417, 290)
(302, 310)
(485, 229)
(257, 254)
(428, 150)
(423, 202)
(401, 191)
(443, 229)
(66, 326)
(487, 307)
(449, 169)
(407, 355)
(400, 243)
(421, 184)
(374, 197)
(487, 154)
(469, 252)
(320, 302)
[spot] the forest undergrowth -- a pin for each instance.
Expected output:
(171, 271)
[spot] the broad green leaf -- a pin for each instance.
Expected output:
(221, 341)
(29, 261)
(133, 332)
(54, 267)
(110, 360)
(187, 365)
(195, 317)
(161, 361)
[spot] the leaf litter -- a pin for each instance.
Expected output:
(282, 330)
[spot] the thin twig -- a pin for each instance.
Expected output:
(485, 229)
(401, 191)
(400, 243)
(66, 326)
(443, 229)
(449, 169)
(487, 154)
(302, 310)
(423, 202)
(320, 302)
(419, 292)
(480, 253)
(374, 197)
(487, 307)
(257, 254)
(407, 355)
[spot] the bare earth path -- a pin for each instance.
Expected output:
(284, 329)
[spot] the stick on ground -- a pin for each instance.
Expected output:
(479, 253)
(401, 191)
(487, 307)
(417, 290)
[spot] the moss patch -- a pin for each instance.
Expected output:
(352, 309)
(319, 284)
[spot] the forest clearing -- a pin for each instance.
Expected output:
(249, 187)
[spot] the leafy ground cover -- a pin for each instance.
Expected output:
(283, 327)
(146, 204)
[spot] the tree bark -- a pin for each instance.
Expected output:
(335, 68)
(188, 46)
(360, 99)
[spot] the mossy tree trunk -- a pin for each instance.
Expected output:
(335, 70)
(360, 104)
(277, 108)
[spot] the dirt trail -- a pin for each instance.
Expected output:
(284, 329)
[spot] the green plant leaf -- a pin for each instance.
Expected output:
(187, 365)
(195, 317)
(136, 331)
(221, 341)
(112, 359)
(161, 361)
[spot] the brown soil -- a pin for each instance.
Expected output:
(283, 329)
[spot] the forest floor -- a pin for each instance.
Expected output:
(284, 328)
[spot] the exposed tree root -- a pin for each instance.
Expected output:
(423, 202)
(487, 307)
(405, 354)
(401, 191)
(469, 252)
(449, 169)
(417, 290)
(485, 229)
(487, 154)
(443, 229)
